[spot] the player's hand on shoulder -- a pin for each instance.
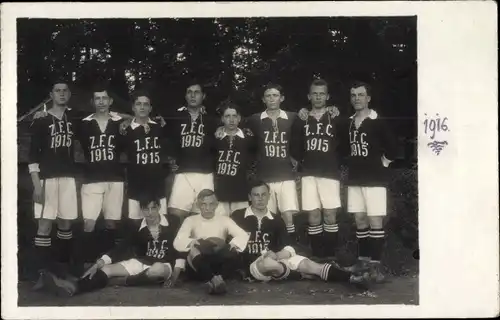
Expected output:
(248, 132)
(40, 114)
(333, 111)
(124, 125)
(303, 114)
(219, 133)
(161, 120)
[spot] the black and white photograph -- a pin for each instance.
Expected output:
(251, 160)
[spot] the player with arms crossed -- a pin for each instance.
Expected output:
(145, 257)
(52, 170)
(191, 132)
(204, 238)
(314, 146)
(371, 145)
(269, 254)
(145, 145)
(234, 154)
(102, 189)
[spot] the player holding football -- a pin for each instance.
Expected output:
(234, 154)
(371, 147)
(269, 254)
(204, 238)
(150, 263)
(102, 188)
(145, 145)
(191, 132)
(52, 170)
(314, 146)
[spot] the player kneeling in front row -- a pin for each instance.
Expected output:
(204, 238)
(151, 262)
(269, 254)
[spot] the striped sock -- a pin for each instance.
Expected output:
(363, 243)
(291, 232)
(64, 238)
(316, 235)
(377, 243)
(330, 239)
(43, 247)
(331, 273)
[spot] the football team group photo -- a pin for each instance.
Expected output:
(217, 161)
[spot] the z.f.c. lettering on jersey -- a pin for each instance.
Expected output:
(318, 140)
(102, 148)
(359, 146)
(157, 249)
(60, 135)
(275, 144)
(228, 162)
(148, 150)
(259, 243)
(192, 137)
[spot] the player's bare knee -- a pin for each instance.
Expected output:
(362, 221)
(44, 227)
(376, 222)
(268, 266)
(108, 270)
(314, 217)
(63, 224)
(306, 265)
(88, 225)
(157, 270)
(110, 224)
(330, 216)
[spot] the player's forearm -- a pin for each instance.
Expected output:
(35, 177)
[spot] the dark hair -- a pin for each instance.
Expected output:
(230, 105)
(205, 193)
(146, 199)
(100, 87)
(319, 83)
(195, 82)
(257, 183)
(140, 93)
(359, 84)
(273, 86)
(60, 80)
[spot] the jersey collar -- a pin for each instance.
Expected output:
(282, 114)
(163, 222)
(112, 115)
(134, 125)
(239, 133)
(372, 115)
(249, 212)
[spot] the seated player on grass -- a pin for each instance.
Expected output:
(150, 263)
(204, 238)
(269, 254)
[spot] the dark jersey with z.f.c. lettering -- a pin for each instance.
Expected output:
(368, 144)
(52, 145)
(234, 155)
(266, 234)
(102, 149)
(273, 164)
(314, 145)
(142, 246)
(146, 154)
(192, 141)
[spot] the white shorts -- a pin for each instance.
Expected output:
(134, 266)
(186, 187)
(102, 196)
(227, 208)
(134, 208)
(372, 200)
(320, 193)
(291, 263)
(60, 200)
(283, 196)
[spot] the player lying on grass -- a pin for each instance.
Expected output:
(204, 238)
(151, 260)
(269, 254)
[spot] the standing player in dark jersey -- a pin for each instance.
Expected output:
(234, 153)
(371, 145)
(102, 188)
(314, 146)
(192, 134)
(146, 257)
(52, 169)
(269, 254)
(145, 146)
